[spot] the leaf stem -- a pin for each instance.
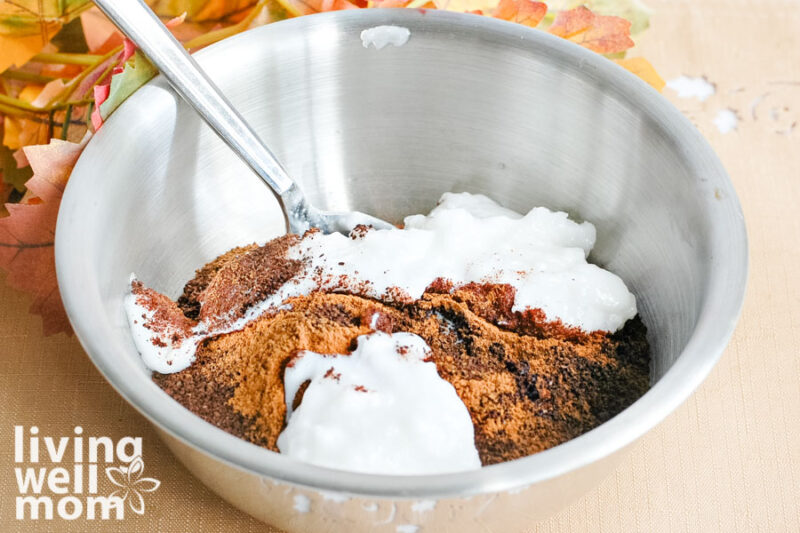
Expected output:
(68, 59)
(50, 125)
(14, 111)
(217, 35)
(21, 75)
(100, 79)
(21, 105)
(65, 123)
(89, 111)
(80, 77)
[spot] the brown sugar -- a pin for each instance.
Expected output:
(528, 383)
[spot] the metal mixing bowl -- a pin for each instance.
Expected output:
(468, 104)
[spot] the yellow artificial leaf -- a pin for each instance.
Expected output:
(642, 68)
(467, 6)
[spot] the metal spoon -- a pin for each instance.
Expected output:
(144, 28)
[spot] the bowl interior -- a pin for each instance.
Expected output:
(468, 104)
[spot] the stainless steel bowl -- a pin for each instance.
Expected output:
(468, 104)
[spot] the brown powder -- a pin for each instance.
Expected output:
(528, 384)
(189, 301)
(244, 280)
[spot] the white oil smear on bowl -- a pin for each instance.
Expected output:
(381, 36)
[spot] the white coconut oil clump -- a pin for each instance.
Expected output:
(467, 238)
(383, 409)
(687, 87)
(382, 36)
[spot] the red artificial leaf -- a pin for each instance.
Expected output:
(132, 71)
(525, 12)
(599, 33)
(27, 234)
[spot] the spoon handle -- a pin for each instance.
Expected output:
(144, 28)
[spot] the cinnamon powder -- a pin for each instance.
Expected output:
(528, 384)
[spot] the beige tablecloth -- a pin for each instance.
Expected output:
(727, 460)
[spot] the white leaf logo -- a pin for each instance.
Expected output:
(131, 484)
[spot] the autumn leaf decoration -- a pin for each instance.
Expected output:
(601, 34)
(64, 69)
(524, 12)
(27, 235)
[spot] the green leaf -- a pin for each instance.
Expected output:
(70, 39)
(137, 71)
(12, 175)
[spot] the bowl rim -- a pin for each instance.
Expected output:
(715, 325)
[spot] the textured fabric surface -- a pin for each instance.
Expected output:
(726, 460)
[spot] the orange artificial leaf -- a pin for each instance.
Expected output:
(27, 235)
(642, 68)
(26, 26)
(599, 33)
(16, 51)
(525, 12)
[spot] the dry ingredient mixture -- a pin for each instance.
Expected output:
(528, 380)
